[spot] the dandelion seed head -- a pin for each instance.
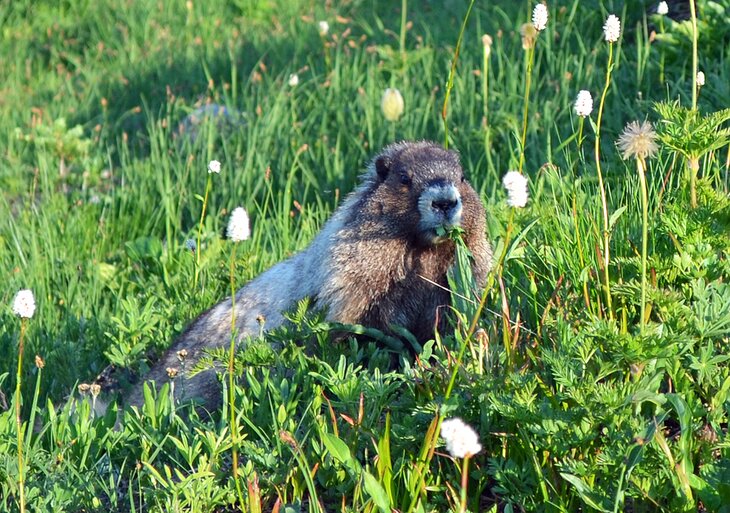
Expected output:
(540, 17)
(516, 185)
(461, 440)
(238, 225)
(529, 34)
(700, 78)
(638, 140)
(191, 245)
(24, 304)
(583, 103)
(214, 167)
(323, 27)
(392, 104)
(612, 28)
(662, 9)
(293, 80)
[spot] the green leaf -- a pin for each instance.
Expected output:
(341, 453)
(589, 496)
(376, 492)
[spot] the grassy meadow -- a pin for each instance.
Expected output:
(595, 368)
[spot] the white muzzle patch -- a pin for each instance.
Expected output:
(440, 207)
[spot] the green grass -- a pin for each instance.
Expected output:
(575, 411)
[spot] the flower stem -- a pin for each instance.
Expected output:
(231, 380)
(528, 82)
(641, 168)
(601, 186)
(200, 231)
(18, 420)
(464, 482)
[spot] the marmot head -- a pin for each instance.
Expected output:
(421, 191)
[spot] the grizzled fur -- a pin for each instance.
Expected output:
(378, 261)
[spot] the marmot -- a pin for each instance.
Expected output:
(380, 260)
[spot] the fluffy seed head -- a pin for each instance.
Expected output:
(612, 28)
(214, 167)
(293, 80)
(638, 140)
(461, 440)
(662, 8)
(516, 185)
(529, 34)
(583, 103)
(24, 304)
(392, 104)
(700, 78)
(540, 17)
(191, 245)
(238, 225)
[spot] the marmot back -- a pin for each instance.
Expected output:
(380, 260)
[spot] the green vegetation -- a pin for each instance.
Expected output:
(595, 381)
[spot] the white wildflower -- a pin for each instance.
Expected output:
(392, 104)
(583, 103)
(191, 245)
(638, 140)
(238, 226)
(24, 304)
(214, 166)
(516, 185)
(612, 28)
(461, 440)
(662, 8)
(323, 27)
(540, 16)
(700, 78)
(293, 80)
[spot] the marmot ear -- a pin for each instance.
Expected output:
(382, 166)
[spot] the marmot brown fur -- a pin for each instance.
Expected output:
(381, 260)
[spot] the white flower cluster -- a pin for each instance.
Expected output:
(293, 80)
(612, 28)
(24, 304)
(516, 185)
(323, 27)
(662, 9)
(214, 167)
(461, 440)
(700, 78)
(540, 17)
(583, 103)
(238, 226)
(392, 104)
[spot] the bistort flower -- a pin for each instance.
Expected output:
(238, 226)
(293, 80)
(612, 28)
(214, 167)
(583, 103)
(323, 28)
(700, 78)
(662, 9)
(24, 304)
(540, 17)
(638, 140)
(461, 440)
(392, 104)
(516, 185)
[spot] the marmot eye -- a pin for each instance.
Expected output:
(405, 179)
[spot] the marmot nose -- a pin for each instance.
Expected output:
(444, 205)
